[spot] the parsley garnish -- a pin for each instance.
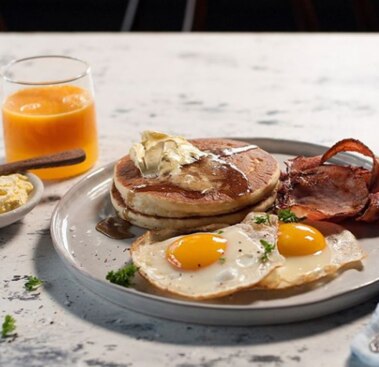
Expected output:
(262, 219)
(8, 326)
(123, 276)
(33, 283)
(220, 232)
(221, 260)
(268, 247)
(287, 216)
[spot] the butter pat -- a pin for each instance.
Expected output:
(160, 154)
(14, 191)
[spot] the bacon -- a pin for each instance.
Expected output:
(371, 213)
(302, 163)
(327, 191)
(318, 190)
(353, 145)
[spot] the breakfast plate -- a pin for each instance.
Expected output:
(90, 255)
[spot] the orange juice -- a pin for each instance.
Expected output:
(49, 119)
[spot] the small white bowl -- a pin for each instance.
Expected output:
(33, 199)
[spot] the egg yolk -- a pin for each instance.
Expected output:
(297, 239)
(196, 251)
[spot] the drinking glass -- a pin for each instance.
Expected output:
(48, 106)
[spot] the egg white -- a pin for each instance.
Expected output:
(242, 266)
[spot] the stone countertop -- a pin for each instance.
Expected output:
(315, 88)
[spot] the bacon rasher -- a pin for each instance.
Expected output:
(313, 188)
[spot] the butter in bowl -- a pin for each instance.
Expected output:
(19, 194)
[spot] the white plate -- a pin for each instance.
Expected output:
(89, 255)
(34, 198)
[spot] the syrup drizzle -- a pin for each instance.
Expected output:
(227, 152)
(115, 228)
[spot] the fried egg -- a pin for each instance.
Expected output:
(212, 264)
(312, 251)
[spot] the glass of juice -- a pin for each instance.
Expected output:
(48, 107)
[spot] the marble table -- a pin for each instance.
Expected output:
(315, 88)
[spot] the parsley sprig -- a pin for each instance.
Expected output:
(9, 325)
(123, 276)
(33, 283)
(288, 216)
(262, 219)
(222, 260)
(268, 248)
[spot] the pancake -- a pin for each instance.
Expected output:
(189, 223)
(242, 179)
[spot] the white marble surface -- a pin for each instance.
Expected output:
(316, 88)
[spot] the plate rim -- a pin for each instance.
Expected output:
(178, 302)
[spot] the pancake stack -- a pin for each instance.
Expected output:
(233, 180)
